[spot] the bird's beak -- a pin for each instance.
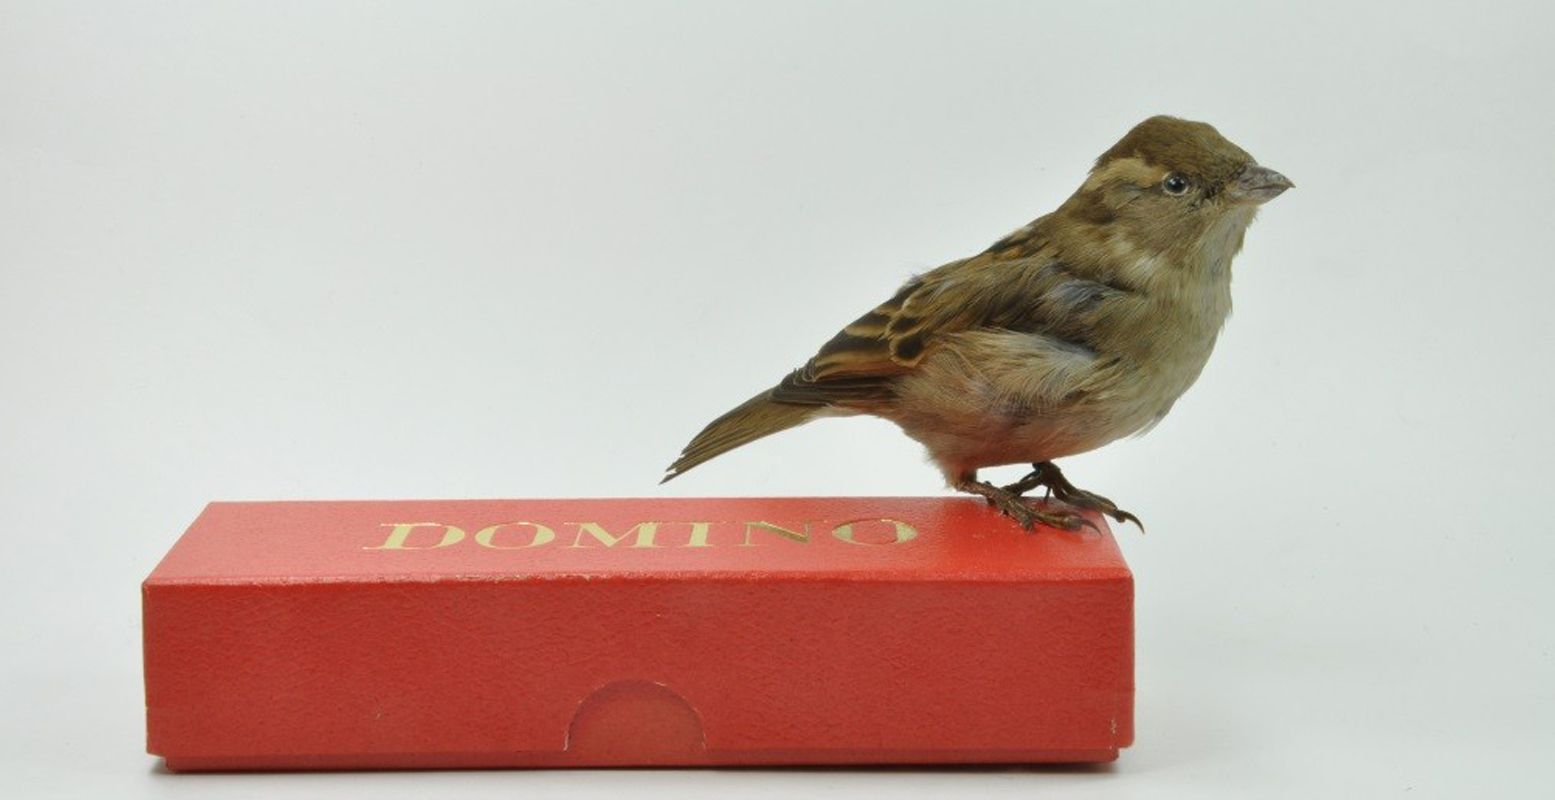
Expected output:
(1258, 184)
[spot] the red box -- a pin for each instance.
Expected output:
(527, 633)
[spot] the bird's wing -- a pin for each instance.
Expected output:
(1014, 289)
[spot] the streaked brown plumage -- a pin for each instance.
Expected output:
(1079, 328)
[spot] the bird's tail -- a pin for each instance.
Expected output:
(757, 417)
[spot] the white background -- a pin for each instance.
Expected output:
(366, 251)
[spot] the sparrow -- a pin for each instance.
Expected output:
(1082, 327)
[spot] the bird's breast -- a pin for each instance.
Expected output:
(1161, 351)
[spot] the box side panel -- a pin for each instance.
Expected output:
(535, 673)
(305, 670)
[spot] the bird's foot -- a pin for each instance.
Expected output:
(1046, 474)
(1012, 505)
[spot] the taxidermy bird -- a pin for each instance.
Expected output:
(1082, 327)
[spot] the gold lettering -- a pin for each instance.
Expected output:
(644, 530)
(400, 535)
(901, 532)
(698, 536)
(792, 535)
(881, 531)
(485, 536)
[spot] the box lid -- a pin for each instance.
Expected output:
(862, 538)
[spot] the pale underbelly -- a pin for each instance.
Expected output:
(972, 420)
(961, 444)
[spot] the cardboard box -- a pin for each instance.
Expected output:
(546, 633)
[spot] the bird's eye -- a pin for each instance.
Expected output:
(1176, 184)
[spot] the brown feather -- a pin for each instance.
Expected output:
(1017, 285)
(757, 417)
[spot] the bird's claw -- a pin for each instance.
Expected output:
(1095, 502)
(1063, 520)
(1045, 474)
(1017, 508)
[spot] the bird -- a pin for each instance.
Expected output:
(1081, 327)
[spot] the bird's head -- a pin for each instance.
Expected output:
(1175, 188)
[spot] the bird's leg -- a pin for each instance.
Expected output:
(1026, 484)
(1048, 475)
(1011, 505)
